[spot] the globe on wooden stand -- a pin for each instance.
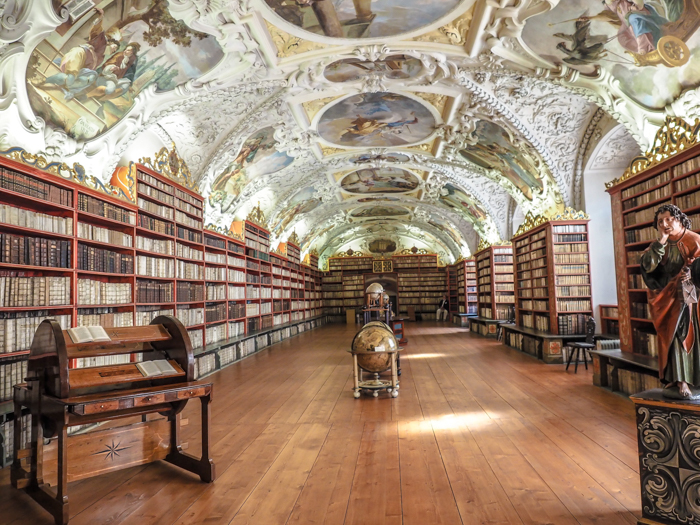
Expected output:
(374, 349)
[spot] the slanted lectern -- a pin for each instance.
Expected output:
(59, 397)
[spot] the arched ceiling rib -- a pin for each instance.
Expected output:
(457, 113)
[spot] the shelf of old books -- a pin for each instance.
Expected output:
(414, 262)
(84, 257)
(421, 291)
(553, 279)
(610, 323)
(454, 272)
(495, 293)
(470, 283)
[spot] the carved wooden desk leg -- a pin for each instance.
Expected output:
(19, 476)
(208, 473)
(355, 378)
(62, 489)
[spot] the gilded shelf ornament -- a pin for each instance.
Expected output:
(225, 231)
(170, 164)
(257, 216)
(569, 214)
(531, 221)
(349, 253)
(329, 150)
(281, 250)
(483, 244)
(415, 251)
(674, 137)
(313, 252)
(288, 45)
(294, 238)
(75, 174)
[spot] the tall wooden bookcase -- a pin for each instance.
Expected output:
(494, 274)
(553, 278)
(86, 257)
(462, 287)
(634, 202)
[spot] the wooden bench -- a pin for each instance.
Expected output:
(484, 326)
(619, 360)
(543, 345)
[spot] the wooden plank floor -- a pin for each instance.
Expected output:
(479, 434)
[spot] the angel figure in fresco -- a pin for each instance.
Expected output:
(244, 158)
(366, 127)
(78, 67)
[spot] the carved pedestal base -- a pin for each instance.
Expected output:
(668, 437)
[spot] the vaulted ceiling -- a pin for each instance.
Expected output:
(426, 123)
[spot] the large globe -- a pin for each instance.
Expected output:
(374, 290)
(373, 345)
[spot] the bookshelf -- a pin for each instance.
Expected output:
(84, 257)
(463, 297)
(495, 293)
(421, 290)
(610, 323)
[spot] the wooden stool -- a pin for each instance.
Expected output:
(589, 344)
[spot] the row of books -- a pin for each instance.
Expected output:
(565, 280)
(190, 292)
(189, 208)
(644, 342)
(105, 209)
(156, 209)
(572, 323)
(161, 196)
(215, 258)
(687, 182)
(17, 328)
(647, 184)
(237, 310)
(91, 292)
(145, 314)
(642, 216)
(631, 382)
(156, 225)
(573, 291)
(571, 248)
(636, 281)
(646, 198)
(570, 258)
(34, 251)
(524, 343)
(215, 273)
(650, 233)
(640, 310)
(160, 246)
(214, 334)
(142, 176)
(190, 316)
(216, 292)
(690, 200)
(571, 237)
(38, 189)
(105, 317)
(155, 266)
(685, 167)
(571, 268)
(188, 235)
(536, 322)
(93, 259)
(573, 305)
(154, 292)
(35, 220)
(105, 235)
(34, 291)
(215, 312)
(185, 219)
(10, 375)
(187, 270)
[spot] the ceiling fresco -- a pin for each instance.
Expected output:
(353, 123)
(379, 180)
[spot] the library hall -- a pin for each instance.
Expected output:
(349, 262)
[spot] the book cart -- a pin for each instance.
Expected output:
(552, 285)
(84, 257)
(495, 294)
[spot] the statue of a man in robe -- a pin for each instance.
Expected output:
(671, 270)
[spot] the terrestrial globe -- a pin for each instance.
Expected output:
(373, 345)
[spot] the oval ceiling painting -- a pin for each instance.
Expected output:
(494, 150)
(86, 76)
(376, 120)
(361, 18)
(302, 202)
(456, 199)
(379, 180)
(379, 211)
(366, 158)
(394, 68)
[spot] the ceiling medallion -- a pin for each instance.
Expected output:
(257, 216)
(675, 136)
(170, 164)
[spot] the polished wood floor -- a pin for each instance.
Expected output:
(479, 434)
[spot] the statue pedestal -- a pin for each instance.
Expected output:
(668, 439)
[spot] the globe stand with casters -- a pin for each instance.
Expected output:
(375, 350)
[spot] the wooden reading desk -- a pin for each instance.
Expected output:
(59, 397)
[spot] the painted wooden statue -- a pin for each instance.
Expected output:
(672, 273)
